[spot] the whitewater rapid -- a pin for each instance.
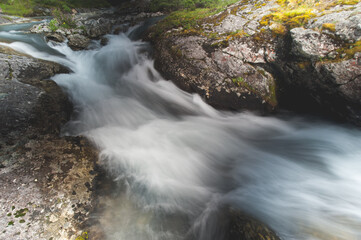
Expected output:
(178, 161)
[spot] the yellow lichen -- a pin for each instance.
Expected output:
(352, 49)
(329, 26)
(303, 65)
(236, 34)
(348, 2)
(278, 29)
(83, 236)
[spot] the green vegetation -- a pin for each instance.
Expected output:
(54, 25)
(21, 212)
(27, 7)
(349, 50)
(62, 19)
(17, 7)
(270, 98)
(290, 14)
(238, 81)
(190, 14)
(171, 5)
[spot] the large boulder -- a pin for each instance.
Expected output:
(252, 57)
(222, 76)
(28, 96)
(78, 42)
(47, 181)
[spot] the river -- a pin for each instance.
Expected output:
(178, 161)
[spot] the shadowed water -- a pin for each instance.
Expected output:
(178, 160)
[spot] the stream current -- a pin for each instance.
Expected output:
(178, 161)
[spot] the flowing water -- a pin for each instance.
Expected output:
(178, 161)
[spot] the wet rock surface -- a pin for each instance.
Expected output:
(46, 181)
(242, 226)
(239, 59)
(221, 76)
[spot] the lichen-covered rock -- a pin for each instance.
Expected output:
(223, 78)
(252, 57)
(47, 181)
(242, 226)
(28, 97)
(311, 44)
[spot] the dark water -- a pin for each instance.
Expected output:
(179, 161)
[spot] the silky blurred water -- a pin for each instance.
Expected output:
(178, 161)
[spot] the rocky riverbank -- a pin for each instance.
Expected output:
(46, 180)
(260, 55)
(241, 58)
(92, 25)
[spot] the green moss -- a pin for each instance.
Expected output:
(174, 5)
(11, 223)
(176, 51)
(26, 7)
(353, 48)
(220, 44)
(345, 52)
(238, 81)
(21, 212)
(22, 221)
(9, 214)
(191, 19)
(236, 34)
(289, 18)
(272, 97)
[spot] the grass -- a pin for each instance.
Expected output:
(17, 8)
(189, 17)
(172, 5)
(26, 7)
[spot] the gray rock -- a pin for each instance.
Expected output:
(224, 80)
(25, 91)
(78, 42)
(55, 37)
(40, 170)
(4, 20)
(311, 44)
(313, 67)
